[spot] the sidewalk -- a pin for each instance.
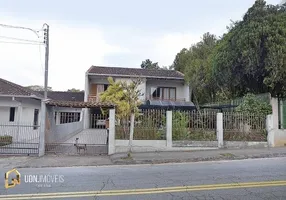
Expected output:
(139, 158)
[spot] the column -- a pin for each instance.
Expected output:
(219, 130)
(275, 112)
(111, 132)
(169, 128)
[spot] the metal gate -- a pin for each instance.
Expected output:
(87, 142)
(18, 138)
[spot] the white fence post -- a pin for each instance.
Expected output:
(111, 132)
(169, 128)
(269, 128)
(219, 129)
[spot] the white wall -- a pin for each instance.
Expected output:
(4, 114)
(141, 87)
(182, 90)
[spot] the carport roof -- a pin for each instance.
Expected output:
(78, 104)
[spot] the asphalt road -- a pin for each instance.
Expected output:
(257, 179)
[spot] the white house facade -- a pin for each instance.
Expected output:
(157, 84)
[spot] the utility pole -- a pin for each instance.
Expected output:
(46, 41)
(43, 103)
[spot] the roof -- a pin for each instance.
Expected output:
(8, 88)
(135, 72)
(65, 96)
(78, 104)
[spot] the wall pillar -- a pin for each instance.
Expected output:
(111, 132)
(86, 118)
(169, 129)
(58, 117)
(187, 92)
(219, 129)
(269, 128)
(275, 112)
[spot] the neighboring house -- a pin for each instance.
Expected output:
(159, 86)
(19, 104)
(23, 105)
(19, 112)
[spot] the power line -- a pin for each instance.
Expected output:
(19, 39)
(20, 27)
(20, 43)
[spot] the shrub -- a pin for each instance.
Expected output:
(5, 140)
(252, 105)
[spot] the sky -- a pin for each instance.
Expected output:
(104, 33)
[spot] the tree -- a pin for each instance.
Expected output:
(196, 64)
(38, 88)
(148, 64)
(251, 57)
(181, 60)
(126, 98)
(75, 90)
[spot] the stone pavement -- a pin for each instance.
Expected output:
(9, 162)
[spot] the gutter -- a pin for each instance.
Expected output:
(22, 96)
(135, 76)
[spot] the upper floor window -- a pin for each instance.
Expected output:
(163, 93)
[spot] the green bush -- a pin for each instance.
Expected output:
(252, 105)
(180, 124)
(5, 140)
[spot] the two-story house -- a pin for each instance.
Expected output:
(157, 84)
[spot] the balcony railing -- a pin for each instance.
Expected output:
(92, 98)
(163, 99)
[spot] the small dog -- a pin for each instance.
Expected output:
(79, 147)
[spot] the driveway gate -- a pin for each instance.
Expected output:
(19, 138)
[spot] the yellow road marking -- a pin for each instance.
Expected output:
(144, 191)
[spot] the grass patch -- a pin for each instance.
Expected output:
(148, 133)
(194, 135)
(6, 140)
(228, 155)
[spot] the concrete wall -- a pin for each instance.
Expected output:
(61, 132)
(121, 146)
(276, 137)
(141, 87)
(226, 144)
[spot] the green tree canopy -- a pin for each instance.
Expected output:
(148, 64)
(249, 58)
(124, 95)
(75, 90)
(38, 88)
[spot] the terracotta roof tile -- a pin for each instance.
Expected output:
(78, 104)
(13, 89)
(152, 73)
(65, 96)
